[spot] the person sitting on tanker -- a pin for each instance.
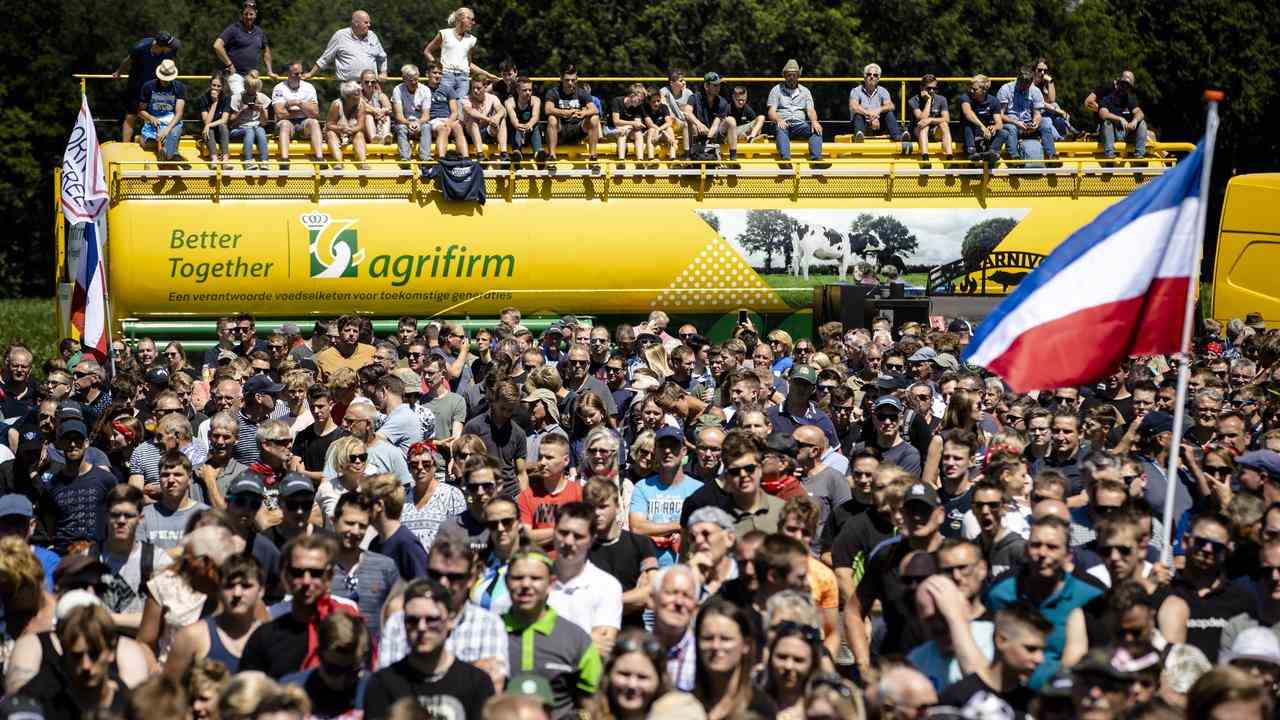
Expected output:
(297, 108)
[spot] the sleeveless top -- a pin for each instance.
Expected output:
(455, 54)
(217, 650)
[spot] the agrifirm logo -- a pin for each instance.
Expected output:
(334, 246)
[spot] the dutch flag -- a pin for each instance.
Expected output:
(1116, 288)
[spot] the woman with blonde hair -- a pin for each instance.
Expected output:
(452, 48)
(28, 606)
(241, 698)
(377, 109)
(351, 459)
(178, 595)
(204, 682)
(830, 697)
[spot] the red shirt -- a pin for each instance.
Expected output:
(538, 507)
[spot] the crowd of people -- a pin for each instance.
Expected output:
(633, 522)
(452, 99)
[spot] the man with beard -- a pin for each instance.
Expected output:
(72, 499)
(441, 684)
(1020, 647)
(1044, 583)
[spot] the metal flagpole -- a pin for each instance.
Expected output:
(1184, 367)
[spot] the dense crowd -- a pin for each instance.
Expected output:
(457, 100)
(633, 523)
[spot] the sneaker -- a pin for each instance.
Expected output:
(818, 164)
(858, 137)
(784, 165)
(906, 147)
(249, 167)
(924, 162)
(992, 159)
(593, 164)
(284, 166)
(517, 156)
(504, 159)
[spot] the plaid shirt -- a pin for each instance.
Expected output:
(479, 634)
(682, 662)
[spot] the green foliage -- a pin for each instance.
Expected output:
(30, 323)
(982, 238)
(1176, 49)
(883, 236)
(768, 231)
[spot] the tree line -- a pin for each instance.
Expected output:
(1175, 49)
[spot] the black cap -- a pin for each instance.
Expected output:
(261, 383)
(782, 444)
(163, 38)
(297, 484)
(158, 376)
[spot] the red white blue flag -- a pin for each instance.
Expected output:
(1116, 288)
(84, 201)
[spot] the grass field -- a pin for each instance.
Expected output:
(30, 321)
(798, 291)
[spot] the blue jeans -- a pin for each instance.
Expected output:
(404, 133)
(798, 130)
(169, 150)
(251, 136)
(1137, 138)
(216, 140)
(888, 122)
(455, 84)
(1006, 137)
(533, 139)
(1045, 132)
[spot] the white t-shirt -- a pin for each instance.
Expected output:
(455, 54)
(592, 599)
(282, 94)
(414, 105)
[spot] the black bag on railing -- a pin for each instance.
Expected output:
(461, 180)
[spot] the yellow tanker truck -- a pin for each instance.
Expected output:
(190, 242)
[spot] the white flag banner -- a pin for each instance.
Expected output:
(84, 184)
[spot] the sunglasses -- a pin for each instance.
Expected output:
(299, 505)
(501, 523)
(245, 501)
(887, 417)
(358, 457)
(1124, 550)
(1218, 470)
(1204, 543)
(298, 573)
(431, 622)
(422, 463)
(453, 578)
(990, 505)
(482, 487)
(808, 632)
(742, 470)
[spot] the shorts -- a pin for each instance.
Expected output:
(301, 123)
(437, 123)
(571, 132)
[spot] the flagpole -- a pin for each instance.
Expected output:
(1188, 320)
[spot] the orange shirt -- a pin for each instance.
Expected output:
(822, 583)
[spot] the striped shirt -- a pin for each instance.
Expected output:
(247, 450)
(367, 584)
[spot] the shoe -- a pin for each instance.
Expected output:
(504, 159)
(284, 166)
(906, 148)
(593, 165)
(1052, 161)
(818, 165)
(784, 165)
(992, 160)
(924, 162)
(858, 137)
(517, 156)
(540, 156)
(249, 167)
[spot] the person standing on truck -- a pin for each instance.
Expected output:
(352, 50)
(143, 60)
(241, 46)
(454, 46)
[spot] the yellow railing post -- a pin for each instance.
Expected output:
(59, 250)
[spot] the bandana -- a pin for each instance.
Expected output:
(325, 607)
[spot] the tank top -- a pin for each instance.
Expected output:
(217, 650)
(455, 54)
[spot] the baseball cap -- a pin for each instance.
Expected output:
(70, 411)
(922, 493)
(711, 514)
(1183, 665)
(79, 570)
(648, 337)
(1155, 423)
(946, 361)
(163, 38)
(569, 321)
(309, 365)
(712, 78)
(782, 444)
(924, 354)
(1267, 461)
(1256, 643)
(887, 401)
(792, 65)
(158, 376)
(18, 707)
(959, 326)
(246, 483)
(412, 381)
(1102, 662)
(892, 381)
(805, 373)
(261, 383)
(666, 432)
(297, 484)
(72, 427)
(555, 327)
(16, 504)
(532, 685)
(290, 328)
(1058, 686)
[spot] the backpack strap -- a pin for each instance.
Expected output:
(146, 566)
